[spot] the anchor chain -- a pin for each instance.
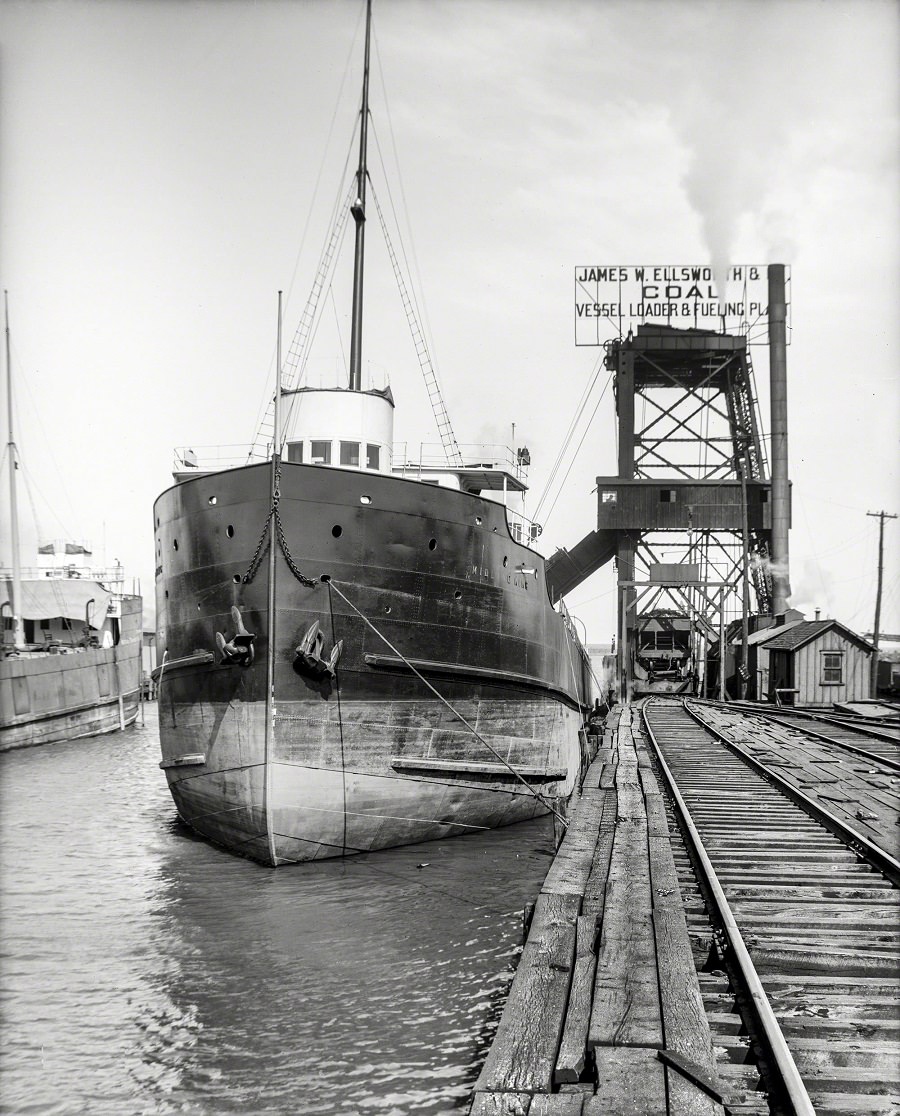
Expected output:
(262, 545)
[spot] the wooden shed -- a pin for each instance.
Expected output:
(818, 662)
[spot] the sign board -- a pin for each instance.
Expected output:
(674, 573)
(610, 300)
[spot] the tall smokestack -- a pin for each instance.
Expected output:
(781, 494)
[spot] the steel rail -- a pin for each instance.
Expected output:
(879, 858)
(791, 1081)
(872, 757)
(787, 713)
(786, 718)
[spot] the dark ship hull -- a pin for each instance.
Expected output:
(440, 614)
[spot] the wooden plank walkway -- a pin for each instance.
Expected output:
(605, 1015)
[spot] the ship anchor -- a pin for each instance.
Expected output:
(309, 656)
(238, 651)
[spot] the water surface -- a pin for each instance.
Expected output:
(146, 971)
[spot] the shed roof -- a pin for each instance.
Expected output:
(798, 635)
(765, 634)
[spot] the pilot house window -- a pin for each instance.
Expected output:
(320, 453)
(373, 457)
(295, 452)
(350, 454)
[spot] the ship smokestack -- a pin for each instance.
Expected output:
(781, 495)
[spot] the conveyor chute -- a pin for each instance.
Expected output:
(566, 569)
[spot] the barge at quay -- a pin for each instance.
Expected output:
(70, 656)
(358, 646)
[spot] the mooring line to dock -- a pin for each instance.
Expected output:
(337, 687)
(331, 583)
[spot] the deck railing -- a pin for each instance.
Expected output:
(424, 456)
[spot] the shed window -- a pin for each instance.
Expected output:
(320, 453)
(832, 668)
(373, 457)
(609, 497)
(668, 495)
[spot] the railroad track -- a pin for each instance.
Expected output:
(873, 741)
(807, 931)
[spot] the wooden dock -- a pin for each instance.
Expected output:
(605, 1014)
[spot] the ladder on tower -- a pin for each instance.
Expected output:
(748, 444)
(435, 397)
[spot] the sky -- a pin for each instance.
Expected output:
(166, 168)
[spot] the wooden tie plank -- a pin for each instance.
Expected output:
(629, 1081)
(572, 864)
(657, 822)
(691, 1093)
(523, 1054)
(557, 1104)
(595, 889)
(500, 1104)
(593, 773)
(685, 1025)
(626, 1009)
(649, 782)
(573, 1048)
(630, 802)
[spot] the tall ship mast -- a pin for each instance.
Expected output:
(70, 658)
(358, 645)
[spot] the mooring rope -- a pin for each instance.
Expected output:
(337, 687)
(544, 801)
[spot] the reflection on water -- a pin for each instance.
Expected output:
(145, 971)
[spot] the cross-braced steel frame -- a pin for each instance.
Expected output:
(687, 411)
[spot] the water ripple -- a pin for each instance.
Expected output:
(147, 972)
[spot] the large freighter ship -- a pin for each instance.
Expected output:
(359, 650)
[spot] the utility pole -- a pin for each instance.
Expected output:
(881, 516)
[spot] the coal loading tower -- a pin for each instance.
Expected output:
(694, 519)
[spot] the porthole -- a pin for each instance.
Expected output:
(198, 606)
(236, 579)
(229, 531)
(365, 499)
(505, 561)
(458, 595)
(174, 544)
(387, 610)
(478, 521)
(337, 530)
(432, 543)
(212, 500)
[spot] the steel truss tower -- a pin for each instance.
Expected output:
(692, 492)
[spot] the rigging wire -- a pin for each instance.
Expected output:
(412, 271)
(351, 51)
(541, 798)
(579, 410)
(578, 448)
